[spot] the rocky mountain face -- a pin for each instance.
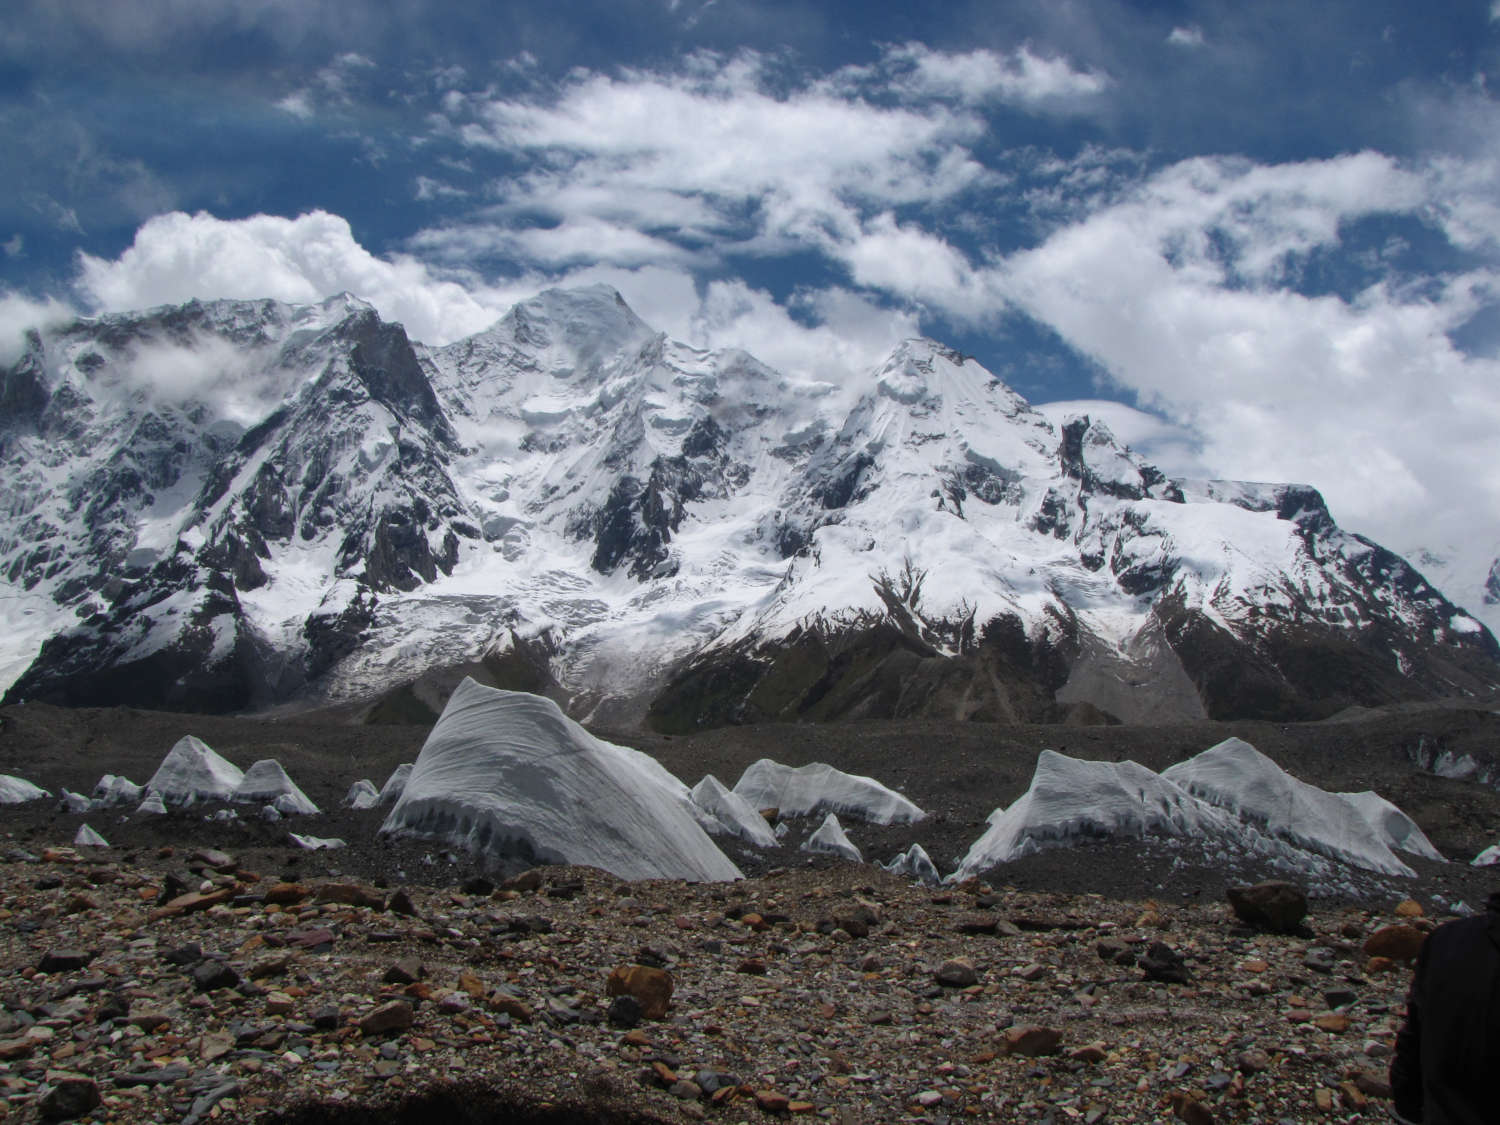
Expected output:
(233, 505)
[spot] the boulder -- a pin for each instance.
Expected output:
(1275, 905)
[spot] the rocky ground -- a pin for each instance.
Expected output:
(191, 985)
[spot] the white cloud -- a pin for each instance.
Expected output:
(176, 257)
(719, 155)
(1022, 77)
(1186, 37)
(828, 334)
(19, 313)
(1175, 449)
(14, 246)
(1179, 292)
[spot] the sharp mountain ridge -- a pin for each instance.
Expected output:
(240, 505)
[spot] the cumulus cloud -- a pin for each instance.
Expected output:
(830, 334)
(177, 257)
(1180, 293)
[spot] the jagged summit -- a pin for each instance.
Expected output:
(234, 504)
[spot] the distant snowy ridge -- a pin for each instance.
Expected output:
(316, 508)
(1231, 793)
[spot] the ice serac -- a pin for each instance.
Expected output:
(192, 772)
(729, 813)
(1230, 795)
(914, 863)
(362, 795)
(267, 782)
(507, 773)
(818, 787)
(17, 790)
(395, 785)
(1072, 799)
(831, 839)
(226, 505)
(113, 789)
(1235, 776)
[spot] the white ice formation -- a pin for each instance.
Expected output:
(192, 772)
(914, 863)
(394, 785)
(362, 795)
(1487, 858)
(113, 789)
(152, 805)
(507, 771)
(1359, 828)
(86, 837)
(74, 802)
(267, 782)
(1231, 793)
(830, 839)
(317, 843)
(16, 791)
(818, 787)
(729, 813)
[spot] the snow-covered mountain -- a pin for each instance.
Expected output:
(235, 504)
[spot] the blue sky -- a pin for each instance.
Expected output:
(1272, 227)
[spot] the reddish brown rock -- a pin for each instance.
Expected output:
(349, 894)
(395, 1016)
(1033, 1041)
(652, 988)
(1399, 942)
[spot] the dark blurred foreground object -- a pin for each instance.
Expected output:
(1448, 1051)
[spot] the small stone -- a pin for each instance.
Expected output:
(512, 1006)
(1089, 1053)
(652, 987)
(1186, 1107)
(624, 1011)
(1032, 1040)
(279, 1004)
(1275, 905)
(64, 961)
(1334, 1022)
(68, 1095)
(1323, 1099)
(349, 894)
(959, 972)
(213, 975)
(928, 1098)
(771, 1101)
(408, 970)
(285, 894)
(400, 903)
(1409, 908)
(395, 1016)
(755, 966)
(1252, 1061)
(1165, 964)
(1399, 943)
